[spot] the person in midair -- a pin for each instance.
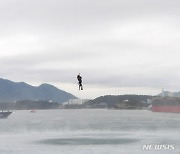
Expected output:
(79, 78)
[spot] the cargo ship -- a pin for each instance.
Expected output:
(166, 104)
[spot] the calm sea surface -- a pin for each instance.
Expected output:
(90, 132)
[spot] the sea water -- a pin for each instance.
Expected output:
(90, 131)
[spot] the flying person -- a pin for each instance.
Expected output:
(79, 78)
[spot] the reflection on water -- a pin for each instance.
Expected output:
(87, 141)
(89, 131)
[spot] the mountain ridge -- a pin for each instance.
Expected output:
(15, 91)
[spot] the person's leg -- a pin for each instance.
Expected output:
(81, 86)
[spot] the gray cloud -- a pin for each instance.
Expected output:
(112, 43)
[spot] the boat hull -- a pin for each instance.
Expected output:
(167, 104)
(4, 115)
(175, 109)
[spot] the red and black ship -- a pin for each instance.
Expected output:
(166, 104)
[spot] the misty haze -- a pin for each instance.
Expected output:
(89, 77)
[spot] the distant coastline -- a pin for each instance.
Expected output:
(102, 102)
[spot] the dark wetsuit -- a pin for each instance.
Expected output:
(80, 82)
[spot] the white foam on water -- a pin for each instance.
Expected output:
(88, 132)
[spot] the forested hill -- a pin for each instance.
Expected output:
(15, 91)
(119, 101)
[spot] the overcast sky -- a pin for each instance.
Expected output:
(118, 46)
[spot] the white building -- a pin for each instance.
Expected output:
(75, 101)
